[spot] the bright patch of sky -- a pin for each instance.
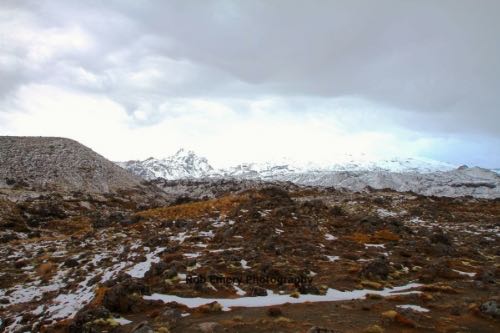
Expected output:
(312, 83)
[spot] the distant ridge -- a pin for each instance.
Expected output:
(50, 163)
(419, 175)
(185, 164)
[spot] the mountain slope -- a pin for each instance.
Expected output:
(184, 164)
(423, 176)
(47, 163)
(477, 182)
(344, 163)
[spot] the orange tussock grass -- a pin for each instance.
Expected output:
(46, 270)
(379, 236)
(194, 210)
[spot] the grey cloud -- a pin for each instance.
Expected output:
(437, 60)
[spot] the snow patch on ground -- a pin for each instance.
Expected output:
(413, 307)
(192, 255)
(330, 237)
(382, 246)
(239, 291)
(244, 264)
(386, 213)
(465, 273)
(276, 299)
(141, 268)
(224, 250)
(122, 321)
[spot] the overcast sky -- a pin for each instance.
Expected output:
(256, 80)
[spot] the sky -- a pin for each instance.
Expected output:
(240, 81)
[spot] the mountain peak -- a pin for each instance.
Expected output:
(183, 164)
(184, 152)
(187, 164)
(352, 172)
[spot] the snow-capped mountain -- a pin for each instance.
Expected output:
(476, 182)
(183, 164)
(420, 175)
(344, 163)
(186, 164)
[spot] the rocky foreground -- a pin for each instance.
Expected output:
(249, 258)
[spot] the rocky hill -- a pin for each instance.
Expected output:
(46, 163)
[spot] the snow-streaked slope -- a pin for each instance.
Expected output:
(184, 164)
(477, 182)
(423, 176)
(343, 163)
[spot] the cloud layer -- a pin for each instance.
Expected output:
(383, 77)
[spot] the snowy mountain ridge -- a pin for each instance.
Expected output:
(269, 169)
(187, 164)
(420, 175)
(183, 164)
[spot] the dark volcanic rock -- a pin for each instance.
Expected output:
(378, 268)
(87, 315)
(125, 296)
(490, 308)
(258, 291)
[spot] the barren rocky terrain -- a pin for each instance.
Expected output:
(229, 255)
(275, 258)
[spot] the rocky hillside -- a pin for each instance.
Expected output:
(45, 163)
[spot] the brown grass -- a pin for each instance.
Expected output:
(74, 225)
(46, 270)
(195, 210)
(99, 297)
(380, 236)
(385, 235)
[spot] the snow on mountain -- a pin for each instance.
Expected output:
(183, 164)
(476, 182)
(343, 163)
(420, 175)
(186, 164)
